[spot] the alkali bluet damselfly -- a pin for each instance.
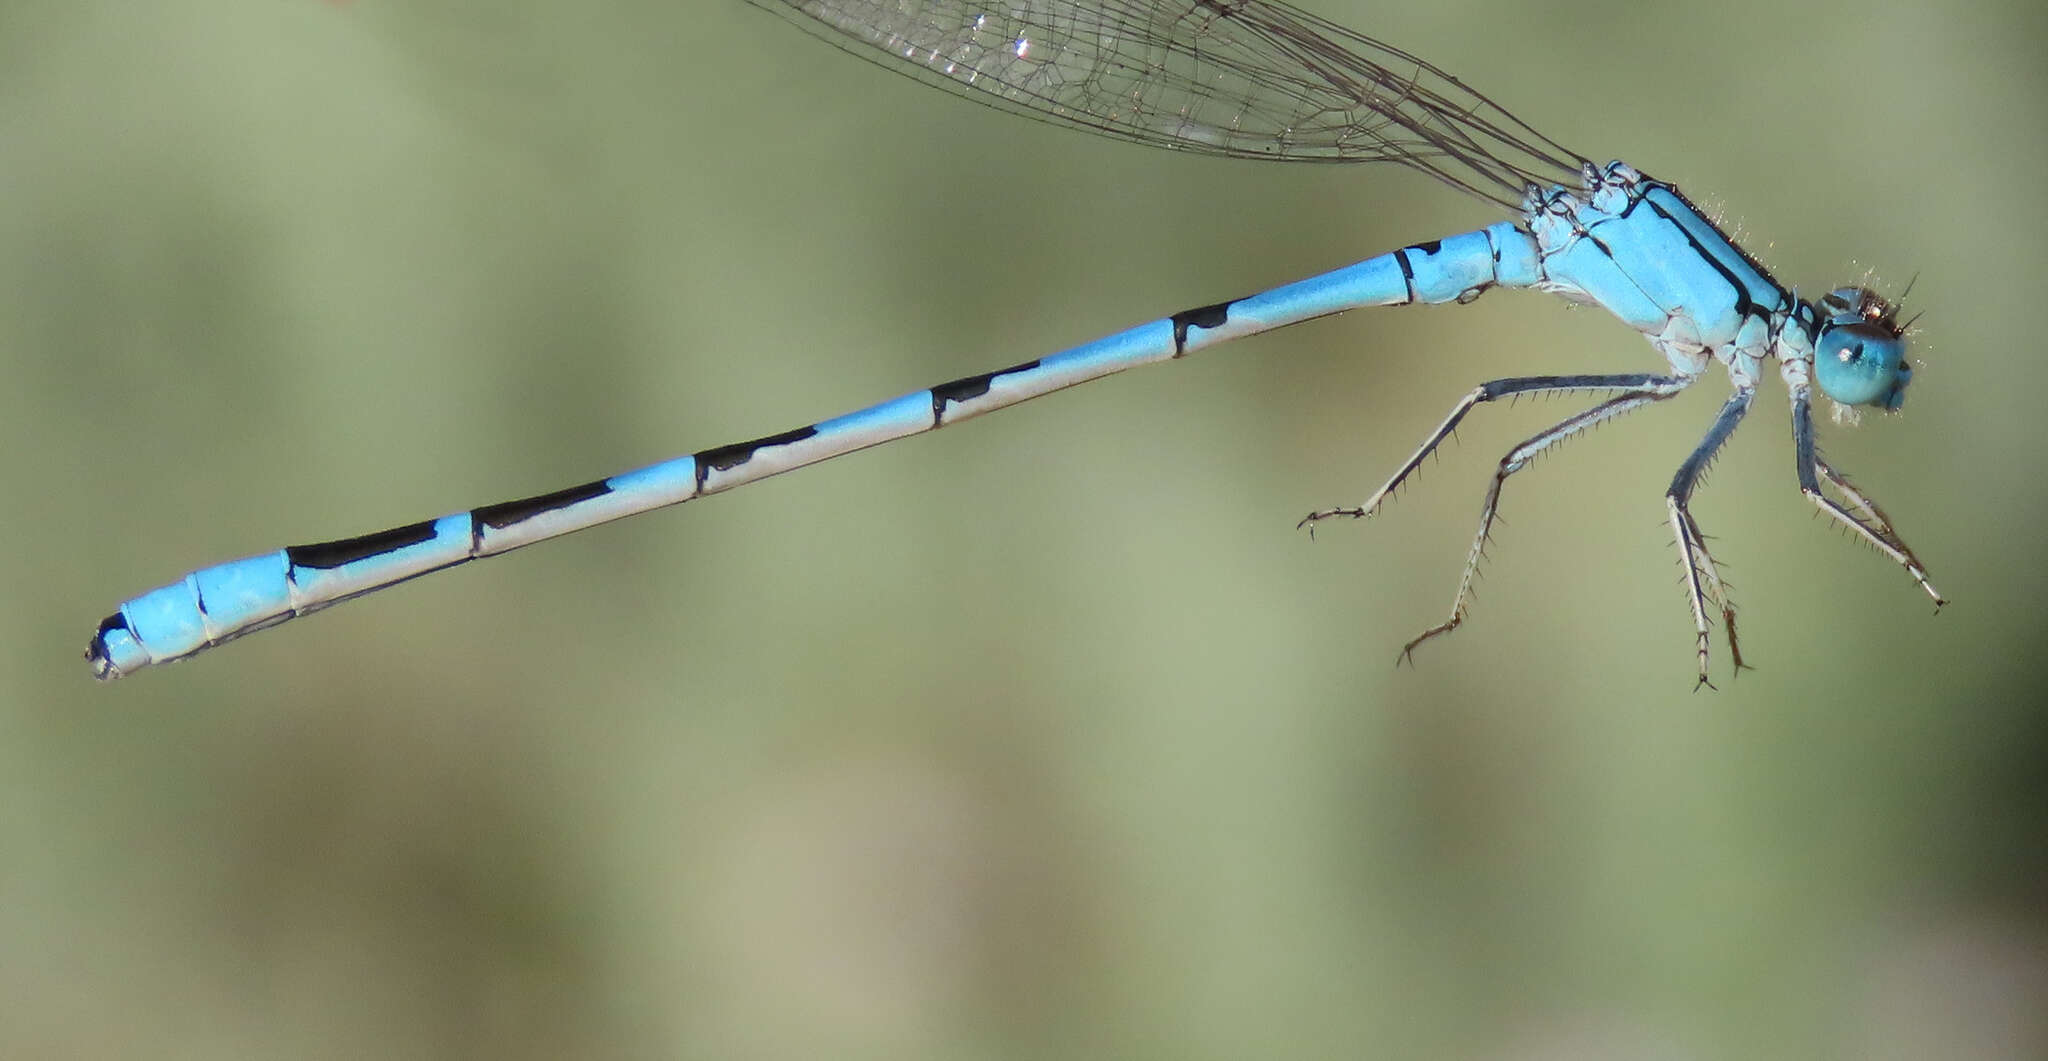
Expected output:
(1245, 79)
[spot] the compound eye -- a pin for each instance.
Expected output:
(1862, 363)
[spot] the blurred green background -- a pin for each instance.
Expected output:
(1045, 736)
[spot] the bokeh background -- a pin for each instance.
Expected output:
(1047, 735)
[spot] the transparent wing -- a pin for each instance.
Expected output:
(1240, 78)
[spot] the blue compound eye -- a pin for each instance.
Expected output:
(1862, 364)
(1859, 357)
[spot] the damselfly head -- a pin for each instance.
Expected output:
(1859, 357)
